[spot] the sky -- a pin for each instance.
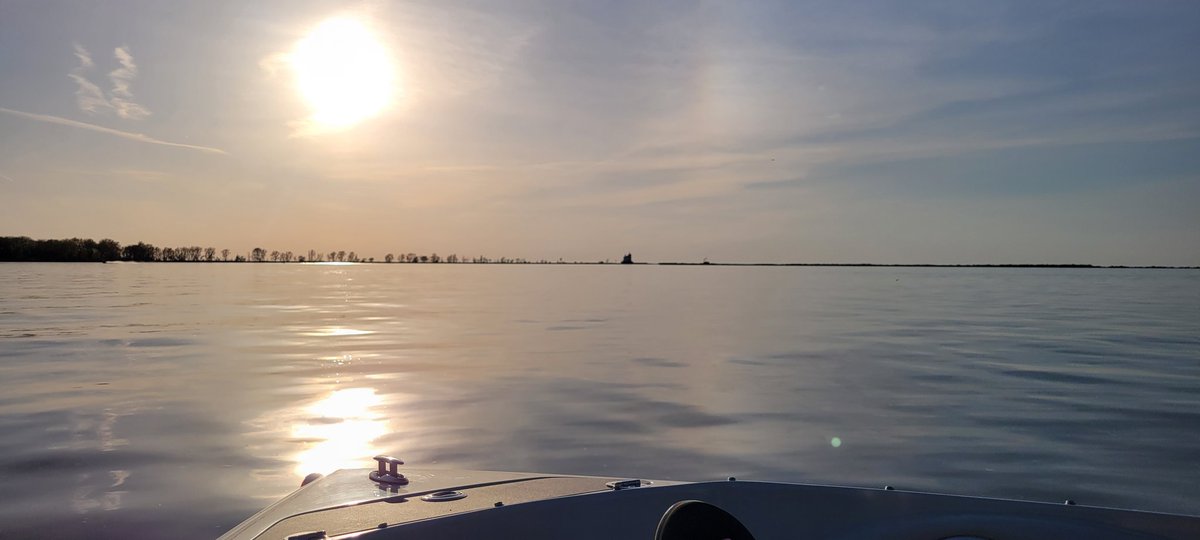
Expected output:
(948, 132)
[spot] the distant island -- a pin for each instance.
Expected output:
(25, 249)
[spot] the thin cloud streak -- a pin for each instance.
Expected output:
(101, 129)
(6, 178)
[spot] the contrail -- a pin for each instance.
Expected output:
(6, 178)
(123, 134)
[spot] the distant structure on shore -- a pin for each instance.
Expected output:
(628, 259)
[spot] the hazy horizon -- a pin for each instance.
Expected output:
(90, 250)
(961, 133)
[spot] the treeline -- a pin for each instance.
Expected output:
(23, 248)
(262, 255)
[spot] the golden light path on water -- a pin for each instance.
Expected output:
(338, 331)
(340, 430)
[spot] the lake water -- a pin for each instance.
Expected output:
(174, 400)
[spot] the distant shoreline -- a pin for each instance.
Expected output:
(601, 263)
(25, 249)
(916, 265)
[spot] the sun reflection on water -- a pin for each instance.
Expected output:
(338, 331)
(339, 430)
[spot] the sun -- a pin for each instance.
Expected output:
(344, 73)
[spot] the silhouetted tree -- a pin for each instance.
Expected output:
(224, 254)
(141, 252)
(258, 254)
(16, 248)
(210, 254)
(109, 249)
(389, 258)
(23, 248)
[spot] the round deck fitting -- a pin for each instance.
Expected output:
(442, 496)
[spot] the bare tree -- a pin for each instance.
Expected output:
(210, 254)
(225, 254)
(258, 254)
(389, 258)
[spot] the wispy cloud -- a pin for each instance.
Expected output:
(122, 99)
(92, 100)
(88, 96)
(6, 178)
(140, 137)
(85, 58)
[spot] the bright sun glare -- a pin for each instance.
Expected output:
(343, 73)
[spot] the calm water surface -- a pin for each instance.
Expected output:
(174, 400)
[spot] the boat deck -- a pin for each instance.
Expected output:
(478, 504)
